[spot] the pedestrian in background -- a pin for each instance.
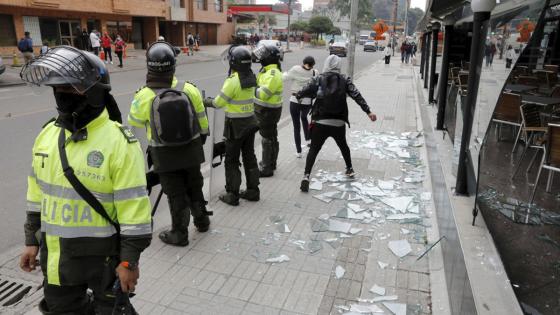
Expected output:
(408, 53)
(106, 43)
(190, 42)
(45, 47)
(120, 46)
(510, 56)
(25, 46)
(403, 52)
(95, 42)
(299, 76)
(388, 52)
(197, 41)
(330, 113)
(84, 40)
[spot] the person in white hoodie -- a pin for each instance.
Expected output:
(299, 76)
(388, 52)
(95, 42)
(510, 56)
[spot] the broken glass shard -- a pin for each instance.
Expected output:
(355, 230)
(276, 218)
(339, 226)
(283, 228)
(384, 298)
(377, 290)
(355, 207)
(400, 248)
(339, 272)
(324, 197)
(426, 196)
(402, 216)
(319, 225)
(400, 204)
(405, 231)
(316, 185)
(365, 309)
(382, 265)
(414, 208)
(396, 308)
(315, 246)
(278, 259)
(386, 184)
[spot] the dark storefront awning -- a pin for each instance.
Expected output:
(437, 10)
(504, 12)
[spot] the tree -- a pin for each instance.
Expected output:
(299, 26)
(414, 16)
(320, 25)
(271, 20)
(334, 31)
(365, 11)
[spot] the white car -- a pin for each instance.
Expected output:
(2, 66)
(273, 42)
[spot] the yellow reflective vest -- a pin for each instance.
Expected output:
(139, 115)
(110, 163)
(269, 87)
(238, 102)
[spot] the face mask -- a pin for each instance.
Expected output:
(69, 107)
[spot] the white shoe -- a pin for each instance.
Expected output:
(111, 62)
(298, 155)
(106, 61)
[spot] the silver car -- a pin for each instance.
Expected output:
(273, 42)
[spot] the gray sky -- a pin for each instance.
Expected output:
(308, 4)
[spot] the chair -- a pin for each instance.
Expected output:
(551, 158)
(463, 83)
(465, 65)
(454, 74)
(531, 126)
(528, 80)
(507, 112)
(555, 91)
(553, 68)
(548, 78)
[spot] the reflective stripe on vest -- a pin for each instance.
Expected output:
(136, 229)
(266, 104)
(33, 206)
(77, 231)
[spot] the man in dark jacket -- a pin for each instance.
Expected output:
(330, 113)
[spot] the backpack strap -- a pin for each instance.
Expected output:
(180, 85)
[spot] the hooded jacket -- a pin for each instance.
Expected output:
(299, 77)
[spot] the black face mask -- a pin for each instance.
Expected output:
(74, 112)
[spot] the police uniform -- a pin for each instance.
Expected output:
(77, 245)
(268, 110)
(239, 132)
(178, 167)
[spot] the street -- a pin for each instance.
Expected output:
(23, 112)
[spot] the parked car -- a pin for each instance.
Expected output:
(363, 39)
(339, 49)
(370, 46)
(2, 66)
(273, 42)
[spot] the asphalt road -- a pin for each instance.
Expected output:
(23, 112)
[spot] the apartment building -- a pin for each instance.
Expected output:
(139, 22)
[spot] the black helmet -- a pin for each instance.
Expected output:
(160, 57)
(239, 58)
(309, 60)
(66, 65)
(266, 55)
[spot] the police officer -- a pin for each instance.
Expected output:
(240, 127)
(77, 244)
(178, 166)
(268, 105)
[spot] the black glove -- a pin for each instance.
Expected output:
(209, 102)
(203, 139)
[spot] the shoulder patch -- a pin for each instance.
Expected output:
(130, 137)
(48, 122)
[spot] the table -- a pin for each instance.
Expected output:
(519, 88)
(540, 100)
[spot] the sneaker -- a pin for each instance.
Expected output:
(106, 61)
(304, 187)
(111, 62)
(350, 172)
(298, 155)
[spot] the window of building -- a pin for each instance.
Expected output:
(219, 5)
(8, 35)
(202, 4)
(123, 28)
(178, 3)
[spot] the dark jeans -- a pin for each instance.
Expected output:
(183, 188)
(387, 59)
(319, 134)
(119, 54)
(244, 147)
(299, 113)
(508, 63)
(108, 54)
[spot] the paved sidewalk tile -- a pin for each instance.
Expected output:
(225, 271)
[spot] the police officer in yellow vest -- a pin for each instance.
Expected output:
(79, 248)
(177, 127)
(240, 127)
(268, 104)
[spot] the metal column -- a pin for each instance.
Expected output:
(444, 77)
(435, 33)
(423, 52)
(427, 61)
(480, 28)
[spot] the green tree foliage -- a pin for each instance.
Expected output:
(299, 26)
(271, 20)
(334, 31)
(319, 25)
(365, 10)
(414, 16)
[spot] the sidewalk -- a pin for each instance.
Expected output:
(226, 270)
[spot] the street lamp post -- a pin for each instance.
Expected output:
(481, 9)
(353, 31)
(289, 15)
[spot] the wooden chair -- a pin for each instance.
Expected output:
(465, 65)
(508, 112)
(533, 132)
(553, 68)
(528, 80)
(454, 74)
(551, 158)
(463, 83)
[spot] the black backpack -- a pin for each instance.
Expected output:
(331, 95)
(173, 119)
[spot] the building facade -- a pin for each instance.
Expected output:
(139, 22)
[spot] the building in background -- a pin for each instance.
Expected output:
(139, 22)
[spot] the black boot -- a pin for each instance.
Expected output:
(266, 164)
(230, 198)
(275, 151)
(179, 233)
(200, 215)
(252, 193)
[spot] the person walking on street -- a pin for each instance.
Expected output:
(175, 119)
(388, 52)
(106, 43)
(87, 174)
(236, 97)
(403, 51)
(190, 42)
(408, 53)
(300, 76)
(95, 42)
(268, 105)
(330, 113)
(510, 56)
(197, 41)
(45, 47)
(120, 46)
(84, 40)
(25, 46)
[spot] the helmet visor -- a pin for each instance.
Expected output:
(260, 53)
(62, 66)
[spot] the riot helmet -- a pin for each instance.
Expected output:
(266, 55)
(239, 59)
(160, 57)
